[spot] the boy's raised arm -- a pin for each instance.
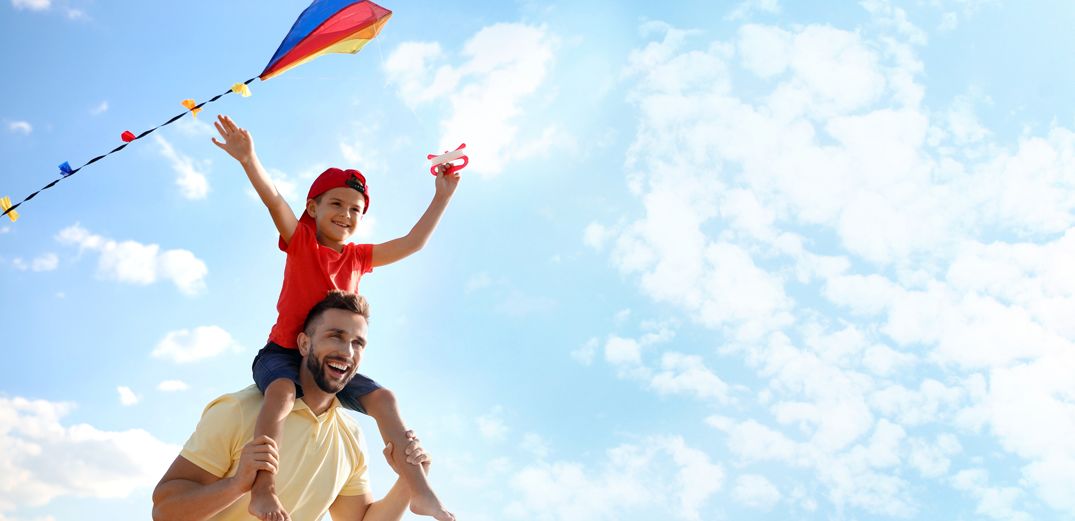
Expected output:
(397, 249)
(239, 145)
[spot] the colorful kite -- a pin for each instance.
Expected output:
(326, 26)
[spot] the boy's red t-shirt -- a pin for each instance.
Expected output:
(310, 272)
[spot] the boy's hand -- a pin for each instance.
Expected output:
(446, 183)
(237, 141)
(259, 454)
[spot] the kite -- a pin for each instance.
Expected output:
(326, 26)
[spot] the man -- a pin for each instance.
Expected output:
(320, 465)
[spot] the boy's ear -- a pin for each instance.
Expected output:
(311, 208)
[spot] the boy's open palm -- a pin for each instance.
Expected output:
(237, 141)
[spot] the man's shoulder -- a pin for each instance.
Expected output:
(238, 402)
(351, 429)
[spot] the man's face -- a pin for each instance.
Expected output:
(335, 348)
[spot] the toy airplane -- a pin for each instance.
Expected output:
(448, 157)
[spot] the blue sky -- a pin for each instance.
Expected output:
(743, 260)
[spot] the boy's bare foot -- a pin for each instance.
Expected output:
(265, 506)
(429, 505)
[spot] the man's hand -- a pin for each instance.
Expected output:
(259, 454)
(446, 183)
(237, 141)
(414, 452)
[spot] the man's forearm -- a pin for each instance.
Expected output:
(183, 500)
(392, 506)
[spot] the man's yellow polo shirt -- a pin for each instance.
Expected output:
(321, 457)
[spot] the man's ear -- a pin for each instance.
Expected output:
(304, 343)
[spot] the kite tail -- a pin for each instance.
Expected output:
(67, 171)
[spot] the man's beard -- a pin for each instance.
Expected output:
(317, 369)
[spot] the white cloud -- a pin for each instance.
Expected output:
(286, 185)
(75, 14)
(99, 109)
(136, 263)
(623, 351)
(518, 304)
(536, 445)
(661, 475)
(33, 5)
(46, 262)
(20, 127)
(44, 459)
(127, 396)
(477, 282)
(755, 491)
(504, 66)
(172, 386)
(993, 502)
(191, 180)
(186, 346)
(360, 151)
(680, 373)
(586, 352)
(595, 235)
(492, 427)
(194, 128)
(748, 7)
(894, 276)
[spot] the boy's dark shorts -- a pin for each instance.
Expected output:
(274, 362)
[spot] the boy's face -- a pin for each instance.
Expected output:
(337, 213)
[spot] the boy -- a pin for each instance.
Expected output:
(319, 258)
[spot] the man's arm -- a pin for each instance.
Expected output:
(188, 492)
(363, 508)
(397, 249)
(239, 145)
(394, 504)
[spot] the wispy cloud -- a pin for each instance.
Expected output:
(20, 127)
(663, 474)
(503, 66)
(172, 386)
(45, 262)
(191, 178)
(136, 263)
(185, 345)
(127, 396)
(97, 463)
(32, 5)
(942, 253)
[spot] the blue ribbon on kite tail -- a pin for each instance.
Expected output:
(121, 147)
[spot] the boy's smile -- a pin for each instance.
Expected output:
(336, 213)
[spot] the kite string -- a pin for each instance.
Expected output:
(117, 149)
(384, 68)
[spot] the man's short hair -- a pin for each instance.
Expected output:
(337, 299)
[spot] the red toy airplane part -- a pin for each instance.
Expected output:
(448, 157)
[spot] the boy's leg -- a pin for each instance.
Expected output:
(279, 399)
(381, 405)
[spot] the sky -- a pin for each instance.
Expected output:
(710, 260)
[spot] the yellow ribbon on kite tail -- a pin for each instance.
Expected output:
(241, 89)
(5, 205)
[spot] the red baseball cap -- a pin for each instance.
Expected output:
(329, 179)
